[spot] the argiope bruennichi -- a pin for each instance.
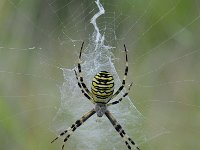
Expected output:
(101, 93)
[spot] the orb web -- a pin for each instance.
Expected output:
(95, 132)
(39, 40)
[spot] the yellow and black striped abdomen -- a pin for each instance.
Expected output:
(102, 87)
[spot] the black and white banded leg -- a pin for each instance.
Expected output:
(74, 126)
(121, 132)
(80, 73)
(82, 90)
(119, 100)
(125, 75)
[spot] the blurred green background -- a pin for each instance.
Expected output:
(37, 37)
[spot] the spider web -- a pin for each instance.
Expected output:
(40, 40)
(97, 57)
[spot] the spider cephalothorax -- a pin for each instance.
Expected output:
(102, 92)
(100, 109)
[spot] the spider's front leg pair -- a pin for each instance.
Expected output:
(121, 132)
(86, 116)
(74, 126)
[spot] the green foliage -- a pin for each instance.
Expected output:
(38, 37)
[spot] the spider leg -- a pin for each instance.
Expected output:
(74, 126)
(119, 100)
(82, 90)
(80, 73)
(125, 75)
(121, 132)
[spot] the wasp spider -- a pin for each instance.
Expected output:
(102, 91)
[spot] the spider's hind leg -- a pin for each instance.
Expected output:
(119, 100)
(125, 75)
(80, 73)
(82, 90)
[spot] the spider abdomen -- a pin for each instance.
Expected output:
(102, 87)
